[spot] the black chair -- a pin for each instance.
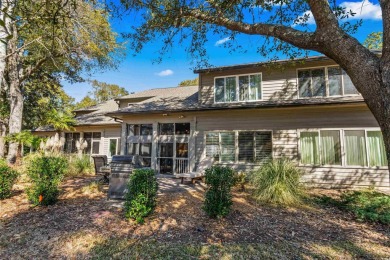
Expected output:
(100, 161)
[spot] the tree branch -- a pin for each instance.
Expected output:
(323, 14)
(295, 37)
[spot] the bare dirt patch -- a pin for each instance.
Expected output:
(85, 225)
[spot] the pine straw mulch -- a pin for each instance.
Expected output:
(83, 224)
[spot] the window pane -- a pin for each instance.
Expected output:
(166, 166)
(132, 148)
(145, 162)
(97, 135)
(166, 129)
(349, 88)
(220, 90)
(165, 150)
(318, 82)
(113, 146)
(145, 149)
(304, 80)
(245, 146)
(230, 89)
(263, 146)
(212, 145)
(182, 128)
(147, 129)
(330, 147)
(182, 150)
(376, 149)
(132, 130)
(95, 147)
(255, 87)
(68, 142)
(243, 82)
(227, 147)
(355, 148)
(334, 77)
(309, 145)
(76, 137)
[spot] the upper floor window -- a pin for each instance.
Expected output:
(325, 81)
(137, 130)
(238, 88)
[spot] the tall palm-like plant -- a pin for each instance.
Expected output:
(22, 138)
(61, 121)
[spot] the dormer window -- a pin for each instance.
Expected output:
(240, 88)
(324, 82)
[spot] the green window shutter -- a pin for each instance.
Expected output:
(212, 145)
(330, 147)
(355, 148)
(376, 149)
(263, 146)
(309, 148)
(227, 146)
(246, 146)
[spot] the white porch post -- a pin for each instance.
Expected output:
(123, 138)
(154, 146)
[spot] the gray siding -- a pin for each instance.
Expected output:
(285, 124)
(278, 83)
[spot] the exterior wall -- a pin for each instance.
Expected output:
(107, 132)
(284, 124)
(277, 83)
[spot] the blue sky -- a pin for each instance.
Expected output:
(139, 72)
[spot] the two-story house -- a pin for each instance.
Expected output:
(243, 115)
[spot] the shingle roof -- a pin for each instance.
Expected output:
(164, 99)
(159, 92)
(97, 116)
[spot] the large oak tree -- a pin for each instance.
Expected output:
(284, 26)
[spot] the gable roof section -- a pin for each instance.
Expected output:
(97, 114)
(164, 99)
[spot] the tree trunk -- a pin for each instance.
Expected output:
(4, 34)
(16, 96)
(2, 141)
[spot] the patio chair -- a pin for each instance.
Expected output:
(199, 173)
(99, 161)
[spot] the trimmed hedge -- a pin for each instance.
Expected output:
(218, 197)
(46, 174)
(8, 177)
(141, 195)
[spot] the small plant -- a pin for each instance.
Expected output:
(218, 198)
(79, 166)
(277, 182)
(8, 177)
(240, 180)
(368, 205)
(141, 195)
(45, 173)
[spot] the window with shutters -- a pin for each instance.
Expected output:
(239, 146)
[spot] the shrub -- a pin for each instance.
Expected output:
(141, 195)
(277, 182)
(79, 165)
(8, 177)
(218, 198)
(240, 180)
(367, 205)
(45, 173)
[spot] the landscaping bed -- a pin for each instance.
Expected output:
(83, 224)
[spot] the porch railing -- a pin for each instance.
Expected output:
(181, 166)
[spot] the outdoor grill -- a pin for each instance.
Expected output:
(121, 168)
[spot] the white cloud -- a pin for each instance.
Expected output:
(165, 73)
(222, 41)
(363, 10)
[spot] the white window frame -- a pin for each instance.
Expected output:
(326, 83)
(238, 88)
(236, 161)
(117, 145)
(95, 140)
(343, 151)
